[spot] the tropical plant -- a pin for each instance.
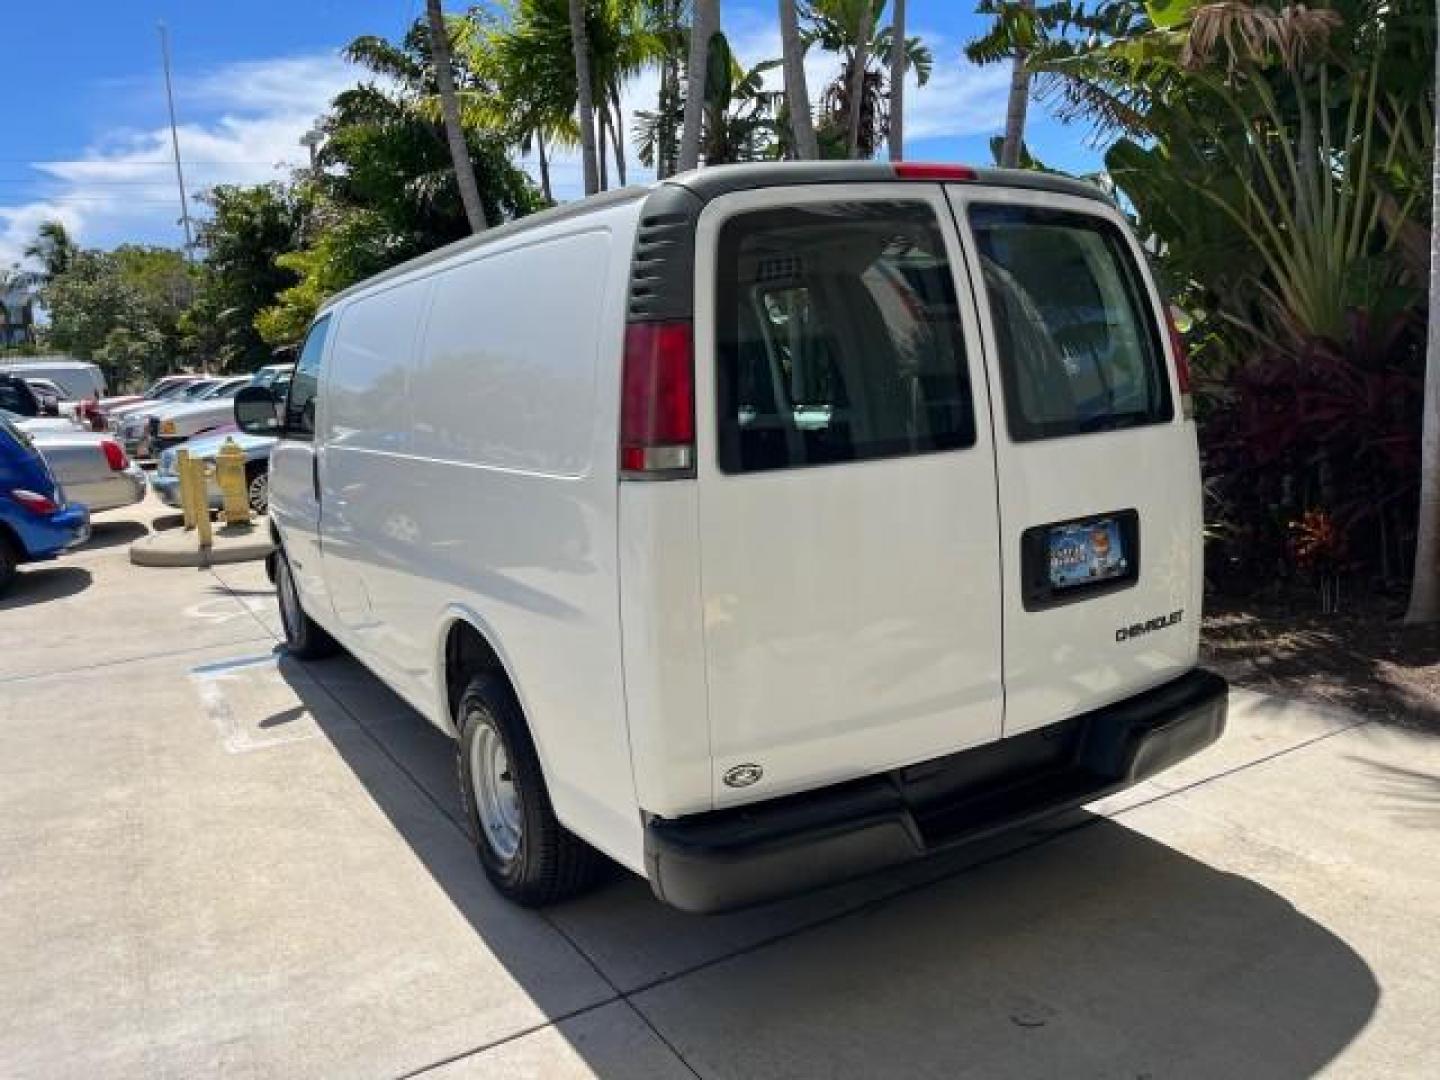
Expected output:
(450, 112)
(52, 248)
(895, 139)
(797, 90)
(704, 26)
(585, 91)
(850, 29)
(739, 117)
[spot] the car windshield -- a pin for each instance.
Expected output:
(196, 391)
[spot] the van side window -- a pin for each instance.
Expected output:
(300, 406)
(1079, 348)
(839, 337)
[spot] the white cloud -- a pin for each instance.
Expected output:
(241, 123)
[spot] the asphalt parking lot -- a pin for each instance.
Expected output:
(217, 860)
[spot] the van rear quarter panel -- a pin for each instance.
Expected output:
(501, 499)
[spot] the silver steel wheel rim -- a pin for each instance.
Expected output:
(289, 601)
(496, 798)
(259, 493)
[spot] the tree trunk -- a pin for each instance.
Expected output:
(857, 77)
(704, 26)
(797, 91)
(665, 149)
(617, 135)
(1019, 102)
(585, 95)
(544, 167)
(896, 137)
(602, 114)
(450, 111)
(1425, 585)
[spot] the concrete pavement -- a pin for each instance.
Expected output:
(217, 860)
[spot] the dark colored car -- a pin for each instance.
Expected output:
(17, 396)
(36, 522)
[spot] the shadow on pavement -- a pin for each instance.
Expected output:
(109, 534)
(1094, 951)
(36, 584)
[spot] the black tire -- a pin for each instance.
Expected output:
(304, 637)
(550, 863)
(8, 562)
(257, 486)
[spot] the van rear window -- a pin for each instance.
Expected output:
(838, 337)
(1079, 348)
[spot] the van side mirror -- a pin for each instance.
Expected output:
(257, 412)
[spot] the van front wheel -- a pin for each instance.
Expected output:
(304, 637)
(526, 853)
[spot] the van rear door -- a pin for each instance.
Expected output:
(1099, 480)
(848, 522)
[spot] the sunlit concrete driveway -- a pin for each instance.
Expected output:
(215, 860)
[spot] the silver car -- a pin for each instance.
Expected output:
(92, 469)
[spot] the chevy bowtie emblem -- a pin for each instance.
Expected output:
(742, 775)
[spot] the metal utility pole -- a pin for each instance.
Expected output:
(175, 141)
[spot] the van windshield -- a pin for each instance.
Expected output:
(838, 337)
(1079, 348)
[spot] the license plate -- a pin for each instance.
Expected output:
(1086, 554)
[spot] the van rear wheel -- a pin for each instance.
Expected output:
(527, 854)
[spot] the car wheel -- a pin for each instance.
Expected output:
(8, 562)
(304, 637)
(526, 853)
(257, 486)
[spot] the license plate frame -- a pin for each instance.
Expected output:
(1075, 559)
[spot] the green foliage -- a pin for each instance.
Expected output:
(140, 290)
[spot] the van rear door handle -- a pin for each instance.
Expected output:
(315, 475)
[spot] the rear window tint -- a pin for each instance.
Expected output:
(1079, 349)
(838, 337)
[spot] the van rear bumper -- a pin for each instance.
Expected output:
(746, 855)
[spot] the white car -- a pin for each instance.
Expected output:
(775, 524)
(79, 379)
(92, 470)
(173, 424)
(131, 423)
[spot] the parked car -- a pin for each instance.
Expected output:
(163, 387)
(132, 423)
(79, 379)
(165, 481)
(175, 423)
(36, 521)
(771, 525)
(34, 425)
(91, 469)
(49, 395)
(18, 396)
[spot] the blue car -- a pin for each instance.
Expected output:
(35, 520)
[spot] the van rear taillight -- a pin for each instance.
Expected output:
(657, 401)
(926, 170)
(1182, 363)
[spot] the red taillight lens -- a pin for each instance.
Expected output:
(926, 170)
(657, 399)
(36, 504)
(114, 454)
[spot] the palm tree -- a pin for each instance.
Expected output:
(52, 248)
(703, 27)
(896, 137)
(450, 111)
(1425, 584)
(797, 93)
(850, 28)
(864, 27)
(1018, 103)
(585, 92)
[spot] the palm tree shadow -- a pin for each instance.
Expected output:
(1085, 949)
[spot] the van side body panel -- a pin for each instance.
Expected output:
(482, 478)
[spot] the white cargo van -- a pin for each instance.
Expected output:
(79, 379)
(764, 527)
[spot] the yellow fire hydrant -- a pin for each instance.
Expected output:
(230, 478)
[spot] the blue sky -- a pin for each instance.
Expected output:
(89, 142)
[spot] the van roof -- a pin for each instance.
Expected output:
(716, 180)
